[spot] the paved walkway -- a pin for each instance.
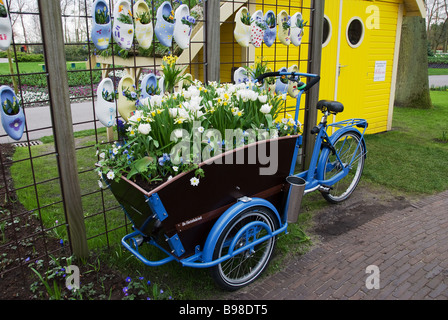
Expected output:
(438, 81)
(408, 247)
(38, 121)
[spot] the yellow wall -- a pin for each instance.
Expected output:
(356, 88)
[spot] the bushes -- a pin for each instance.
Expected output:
(438, 59)
(29, 57)
(74, 79)
(24, 57)
(76, 52)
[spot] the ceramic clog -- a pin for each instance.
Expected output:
(143, 31)
(296, 29)
(124, 105)
(257, 28)
(281, 84)
(270, 34)
(182, 31)
(105, 106)
(123, 33)
(240, 76)
(284, 27)
(101, 32)
(164, 29)
(292, 85)
(161, 84)
(5, 28)
(14, 124)
(242, 31)
(148, 86)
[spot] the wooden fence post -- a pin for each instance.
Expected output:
(213, 40)
(312, 97)
(52, 33)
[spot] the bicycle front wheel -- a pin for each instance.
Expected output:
(346, 146)
(245, 267)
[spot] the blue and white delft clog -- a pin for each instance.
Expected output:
(164, 29)
(101, 33)
(14, 124)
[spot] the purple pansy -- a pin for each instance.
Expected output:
(16, 124)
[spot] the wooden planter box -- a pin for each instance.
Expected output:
(190, 211)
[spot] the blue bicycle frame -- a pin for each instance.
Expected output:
(314, 178)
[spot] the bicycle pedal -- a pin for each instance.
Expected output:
(325, 188)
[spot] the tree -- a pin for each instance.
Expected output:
(412, 89)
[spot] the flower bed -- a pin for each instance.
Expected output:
(172, 133)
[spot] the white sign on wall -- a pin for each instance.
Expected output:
(380, 71)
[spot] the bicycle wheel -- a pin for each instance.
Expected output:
(346, 147)
(242, 269)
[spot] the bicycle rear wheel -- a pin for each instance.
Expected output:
(346, 146)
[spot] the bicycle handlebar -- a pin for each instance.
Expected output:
(315, 78)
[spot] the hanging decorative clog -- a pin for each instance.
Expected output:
(164, 29)
(257, 27)
(183, 26)
(240, 76)
(101, 25)
(292, 84)
(105, 108)
(5, 27)
(148, 86)
(297, 25)
(242, 27)
(127, 97)
(270, 34)
(123, 30)
(143, 25)
(281, 84)
(284, 27)
(13, 118)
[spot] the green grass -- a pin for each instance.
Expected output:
(410, 159)
(437, 71)
(413, 156)
(44, 199)
(34, 67)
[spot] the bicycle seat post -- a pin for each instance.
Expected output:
(323, 121)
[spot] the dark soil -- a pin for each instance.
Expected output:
(364, 205)
(22, 243)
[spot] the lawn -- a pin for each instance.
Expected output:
(410, 159)
(437, 71)
(413, 157)
(35, 67)
(32, 74)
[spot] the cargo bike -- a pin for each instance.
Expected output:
(229, 223)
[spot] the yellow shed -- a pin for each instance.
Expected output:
(360, 52)
(360, 49)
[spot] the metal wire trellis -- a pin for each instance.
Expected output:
(33, 225)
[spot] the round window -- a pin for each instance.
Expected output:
(326, 36)
(355, 32)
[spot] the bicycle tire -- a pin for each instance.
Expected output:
(345, 146)
(247, 266)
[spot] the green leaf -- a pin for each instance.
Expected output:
(140, 166)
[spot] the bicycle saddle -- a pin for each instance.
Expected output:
(330, 106)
